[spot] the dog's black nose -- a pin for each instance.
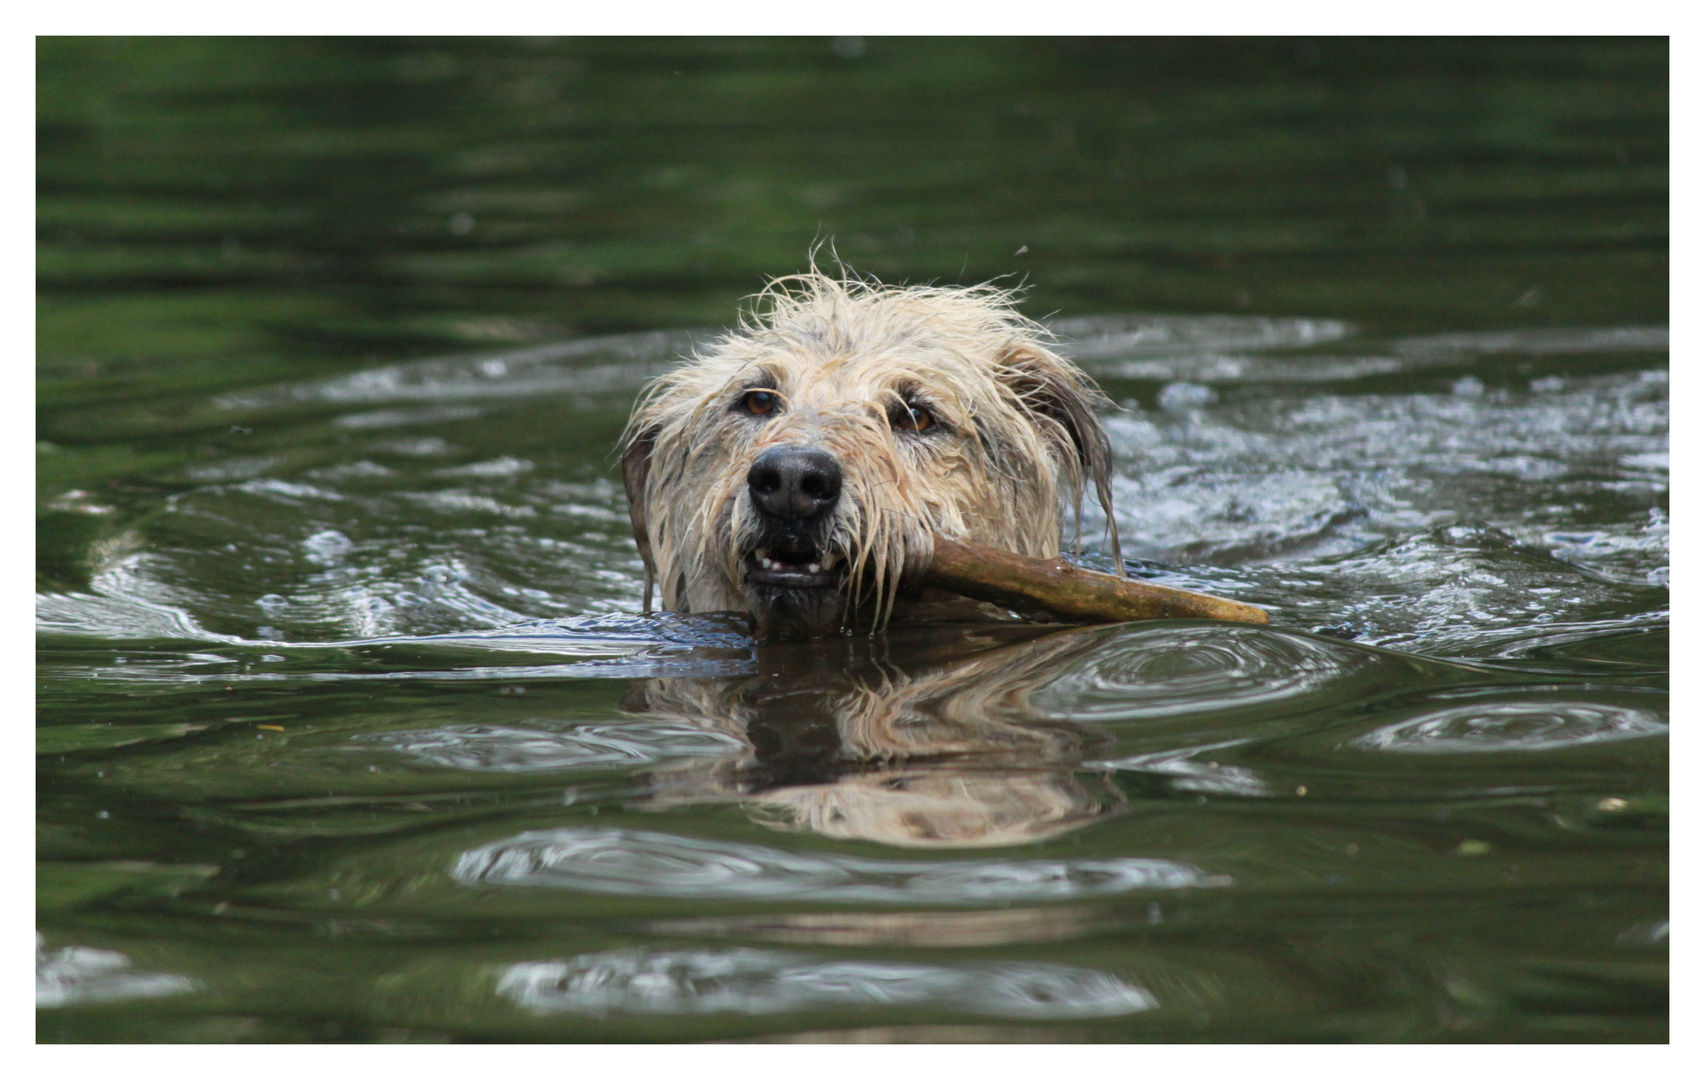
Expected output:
(794, 483)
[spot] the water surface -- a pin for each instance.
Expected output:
(349, 727)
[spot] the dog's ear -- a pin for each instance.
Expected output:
(1052, 388)
(636, 467)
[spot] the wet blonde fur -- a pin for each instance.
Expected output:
(1015, 444)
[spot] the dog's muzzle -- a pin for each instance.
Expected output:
(794, 491)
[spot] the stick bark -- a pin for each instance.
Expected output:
(1019, 583)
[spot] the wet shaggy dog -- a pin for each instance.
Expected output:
(798, 468)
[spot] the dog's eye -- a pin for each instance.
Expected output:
(759, 402)
(912, 418)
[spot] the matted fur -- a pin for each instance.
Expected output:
(1015, 442)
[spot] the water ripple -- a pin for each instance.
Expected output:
(1151, 671)
(757, 982)
(117, 617)
(598, 634)
(76, 975)
(1513, 726)
(1101, 337)
(488, 748)
(1543, 342)
(1187, 773)
(617, 363)
(628, 862)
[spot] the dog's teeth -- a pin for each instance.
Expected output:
(814, 568)
(829, 561)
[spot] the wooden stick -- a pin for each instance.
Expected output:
(1019, 583)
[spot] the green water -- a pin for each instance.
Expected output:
(348, 727)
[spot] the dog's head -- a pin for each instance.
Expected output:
(798, 468)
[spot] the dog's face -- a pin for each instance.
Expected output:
(798, 470)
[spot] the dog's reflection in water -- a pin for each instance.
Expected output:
(923, 737)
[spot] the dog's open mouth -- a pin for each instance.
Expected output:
(794, 568)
